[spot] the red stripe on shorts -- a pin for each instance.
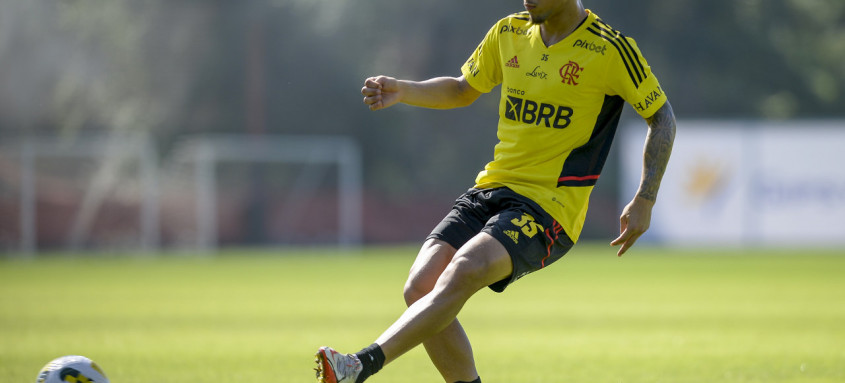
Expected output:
(551, 242)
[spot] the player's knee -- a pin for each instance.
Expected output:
(414, 290)
(433, 258)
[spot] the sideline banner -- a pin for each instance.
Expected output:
(746, 183)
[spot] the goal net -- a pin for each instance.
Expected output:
(113, 192)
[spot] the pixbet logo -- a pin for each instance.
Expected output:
(515, 30)
(590, 46)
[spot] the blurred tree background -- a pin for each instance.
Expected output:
(187, 67)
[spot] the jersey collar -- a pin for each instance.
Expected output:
(538, 38)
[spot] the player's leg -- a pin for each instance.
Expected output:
(480, 262)
(437, 269)
(450, 349)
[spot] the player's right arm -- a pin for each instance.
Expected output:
(437, 93)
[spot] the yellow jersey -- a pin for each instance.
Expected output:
(559, 108)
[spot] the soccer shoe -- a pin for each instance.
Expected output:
(334, 367)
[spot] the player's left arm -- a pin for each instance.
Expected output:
(636, 217)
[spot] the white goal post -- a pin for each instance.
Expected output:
(113, 151)
(206, 153)
(177, 201)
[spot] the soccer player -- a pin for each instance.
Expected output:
(565, 76)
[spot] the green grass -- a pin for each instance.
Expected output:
(655, 315)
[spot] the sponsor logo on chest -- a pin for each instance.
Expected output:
(536, 113)
(590, 46)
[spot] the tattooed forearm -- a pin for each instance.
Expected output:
(658, 147)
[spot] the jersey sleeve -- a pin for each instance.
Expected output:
(482, 70)
(630, 77)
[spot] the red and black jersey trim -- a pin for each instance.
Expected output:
(584, 164)
(632, 61)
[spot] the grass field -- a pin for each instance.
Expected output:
(655, 315)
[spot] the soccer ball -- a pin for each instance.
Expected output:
(72, 369)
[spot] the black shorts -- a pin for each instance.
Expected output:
(532, 238)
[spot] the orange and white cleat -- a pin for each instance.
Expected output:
(334, 367)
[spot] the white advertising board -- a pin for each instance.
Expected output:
(746, 183)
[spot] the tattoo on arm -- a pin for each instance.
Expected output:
(658, 147)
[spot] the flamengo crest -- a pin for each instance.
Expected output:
(570, 73)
